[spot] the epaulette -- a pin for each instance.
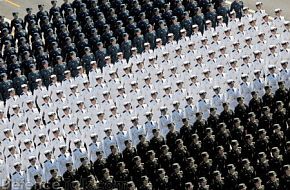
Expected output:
(97, 121)
(111, 116)
(83, 89)
(14, 173)
(124, 111)
(268, 74)
(242, 64)
(199, 100)
(70, 95)
(53, 139)
(77, 111)
(19, 133)
(160, 116)
(175, 56)
(238, 32)
(137, 106)
(75, 150)
(241, 84)
(123, 75)
(131, 90)
(173, 111)
(45, 161)
(203, 79)
(275, 18)
(259, 42)
(103, 101)
(186, 106)
(9, 156)
(224, 38)
(49, 122)
(69, 132)
(90, 144)
(163, 61)
(56, 100)
(27, 111)
(43, 104)
(131, 127)
(214, 96)
(118, 132)
(91, 106)
(228, 90)
(230, 69)
(104, 138)
(118, 95)
(59, 155)
(164, 96)
(245, 46)
(39, 144)
(144, 86)
(284, 30)
(233, 50)
(269, 54)
(29, 167)
(63, 116)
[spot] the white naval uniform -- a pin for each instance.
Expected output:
(149, 126)
(121, 137)
(18, 181)
(4, 173)
(93, 148)
(217, 101)
(47, 166)
(189, 112)
(245, 91)
(61, 161)
(106, 144)
(31, 171)
(164, 120)
(177, 116)
(272, 80)
(203, 105)
(231, 96)
(134, 133)
(77, 154)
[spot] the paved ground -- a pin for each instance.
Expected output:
(8, 6)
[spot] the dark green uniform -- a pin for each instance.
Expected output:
(150, 37)
(59, 71)
(138, 42)
(72, 66)
(4, 86)
(162, 33)
(112, 51)
(32, 76)
(126, 49)
(17, 82)
(199, 20)
(100, 57)
(187, 25)
(86, 61)
(175, 29)
(45, 75)
(223, 11)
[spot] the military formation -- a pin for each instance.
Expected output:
(145, 95)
